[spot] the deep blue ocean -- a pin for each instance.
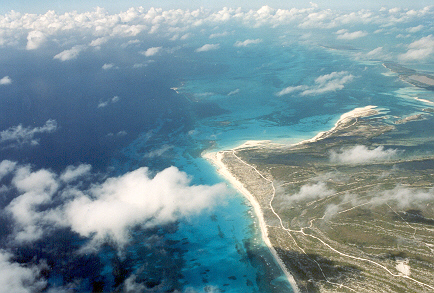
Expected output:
(167, 113)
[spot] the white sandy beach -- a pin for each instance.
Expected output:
(345, 118)
(216, 159)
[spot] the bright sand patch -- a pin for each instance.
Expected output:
(343, 120)
(403, 267)
(216, 159)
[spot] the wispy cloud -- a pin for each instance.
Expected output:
(415, 29)
(247, 42)
(292, 89)
(403, 197)
(26, 135)
(346, 35)
(399, 198)
(311, 191)
(159, 152)
(324, 83)
(234, 92)
(105, 103)
(208, 47)
(218, 35)
(376, 54)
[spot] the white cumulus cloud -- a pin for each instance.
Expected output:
(419, 50)
(6, 167)
(18, 278)
(72, 173)
(360, 154)
(208, 47)
(5, 80)
(151, 51)
(99, 26)
(35, 39)
(137, 199)
(70, 54)
(105, 210)
(98, 42)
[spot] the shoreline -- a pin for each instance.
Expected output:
(343, 120)
(216, 159)
(356, 113)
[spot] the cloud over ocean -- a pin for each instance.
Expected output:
(104, 115)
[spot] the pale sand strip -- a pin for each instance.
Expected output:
(343, 120)
(423, 100)
(216, 159)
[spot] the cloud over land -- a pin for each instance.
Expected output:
(360, 154)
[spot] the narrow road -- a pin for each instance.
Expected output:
(289, 231)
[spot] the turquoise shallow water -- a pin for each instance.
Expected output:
(239, 102)
(223, 98)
